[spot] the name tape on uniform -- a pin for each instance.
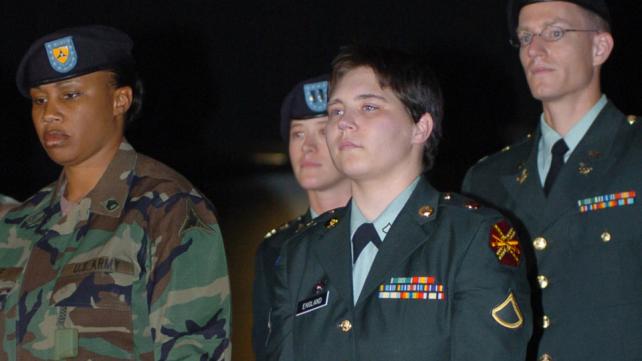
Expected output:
(313, 303)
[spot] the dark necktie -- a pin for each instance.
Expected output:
(559, 149)
(364, 234)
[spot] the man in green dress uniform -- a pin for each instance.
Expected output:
(572, 188)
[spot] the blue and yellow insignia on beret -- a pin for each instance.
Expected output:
(62, 54)
(316, 96)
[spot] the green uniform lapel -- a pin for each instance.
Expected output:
(585, 169)
(591, 160)
(408, 232)
(523, 185)
(334, 254)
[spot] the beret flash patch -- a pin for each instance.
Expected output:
(62, 54)
(504, 242)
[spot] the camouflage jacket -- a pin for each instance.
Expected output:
(6, 204)
(136, 270)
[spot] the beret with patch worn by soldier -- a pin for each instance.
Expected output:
(598, 7)
(308, 99)
(73, 52)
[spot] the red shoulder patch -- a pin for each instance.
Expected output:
(503, 241)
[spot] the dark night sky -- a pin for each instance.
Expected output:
(216, 71)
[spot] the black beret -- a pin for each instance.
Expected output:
(72, 52)
(599, 7)
(308, 99)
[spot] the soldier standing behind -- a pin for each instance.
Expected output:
(573, 186)
(303, 121)
(121, 258)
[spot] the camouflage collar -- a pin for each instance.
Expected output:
(109, 196)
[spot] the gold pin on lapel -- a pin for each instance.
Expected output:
(331, 223)
(584, 169)
(523, 175)
(632, 119)
(426, 211)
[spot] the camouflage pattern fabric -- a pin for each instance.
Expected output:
(7, 200)
(136, 270)
(6, 204)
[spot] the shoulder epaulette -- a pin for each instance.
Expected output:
(632, 119)
(284, 227)
(458, 200)
(508, 147)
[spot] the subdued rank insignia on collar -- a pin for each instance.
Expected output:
(111, 205)
(606, 201)
(504, 242)
(316, 96)
(508, 313)
(62, 54)
(331, 223)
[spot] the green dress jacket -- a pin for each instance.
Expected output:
(584, 241)
(264, 280)
(448, 283)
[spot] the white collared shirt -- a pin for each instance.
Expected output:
(572, 138)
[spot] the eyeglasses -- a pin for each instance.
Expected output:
(550, 33)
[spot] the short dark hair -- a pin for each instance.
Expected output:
(409, 78)
(126, 75)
